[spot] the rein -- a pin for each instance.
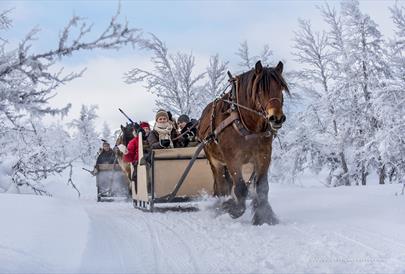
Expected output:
(245, 108)
(187, 131)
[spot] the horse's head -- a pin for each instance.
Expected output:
(127, 133)
(267, 87)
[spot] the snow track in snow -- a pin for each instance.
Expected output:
(356, 230)
(310, 238)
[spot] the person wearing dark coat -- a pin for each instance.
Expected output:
(163, 132)
(188, 130)
(106, 156)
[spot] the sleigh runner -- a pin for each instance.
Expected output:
(172, 175)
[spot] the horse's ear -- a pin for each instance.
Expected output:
(279, 67)
(122, 128)
(258, 67)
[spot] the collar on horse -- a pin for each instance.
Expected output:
(236, 119)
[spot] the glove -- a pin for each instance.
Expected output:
(165, 143)
(190, 136)
(123, 149)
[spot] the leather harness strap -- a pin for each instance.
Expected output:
(238, 126)
(233, 119)
(225, 123)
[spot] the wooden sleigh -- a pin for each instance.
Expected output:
(170, 176)
(111, 182)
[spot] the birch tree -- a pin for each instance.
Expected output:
(247, 61)
(87, 139)
(106, 133)
(316, 79)
(369, 72)
(355, 99)
(389, 104)
(216, 82)
(172, 79)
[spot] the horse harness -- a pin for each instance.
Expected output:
(235, 118)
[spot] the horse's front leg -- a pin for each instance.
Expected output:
(236, 206)
(263, 212)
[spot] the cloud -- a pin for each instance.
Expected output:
(103, 84)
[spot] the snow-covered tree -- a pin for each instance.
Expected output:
(106, 134)
(172, 79)
(247, 61)
(47, 150)
(313, 51)
(217, 80)
(369, 72)
(28, 81)
(86, 138)
(389, 105)
(352, 124)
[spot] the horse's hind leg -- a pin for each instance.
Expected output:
(263, 212)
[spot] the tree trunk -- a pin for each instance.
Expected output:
(382, 175)
(345, 174)
(391, 174)
(364, 174)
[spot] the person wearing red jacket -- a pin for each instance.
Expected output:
(131, 151)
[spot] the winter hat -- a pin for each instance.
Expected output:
(161, 112)
(183, 119)
(145, 125)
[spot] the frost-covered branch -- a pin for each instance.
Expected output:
(28, 80)
(29, 74)
(354, 112)
(5, 21)
(247, 61)
(217, 77)
(398, 17)
(172, 79)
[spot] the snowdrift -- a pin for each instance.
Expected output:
(41, 234)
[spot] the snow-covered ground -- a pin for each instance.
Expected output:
(323, 230)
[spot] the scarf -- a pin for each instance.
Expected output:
(164, 130)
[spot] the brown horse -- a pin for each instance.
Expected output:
(243, 123)
(124, 137)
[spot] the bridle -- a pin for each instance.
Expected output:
(237, 106)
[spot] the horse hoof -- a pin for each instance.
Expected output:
(264, 215)
(235, 210)
(258, 220)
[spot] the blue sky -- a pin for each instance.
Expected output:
(201, 27)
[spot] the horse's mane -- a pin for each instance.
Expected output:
(268, 73)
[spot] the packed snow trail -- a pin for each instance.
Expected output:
(322, 230)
